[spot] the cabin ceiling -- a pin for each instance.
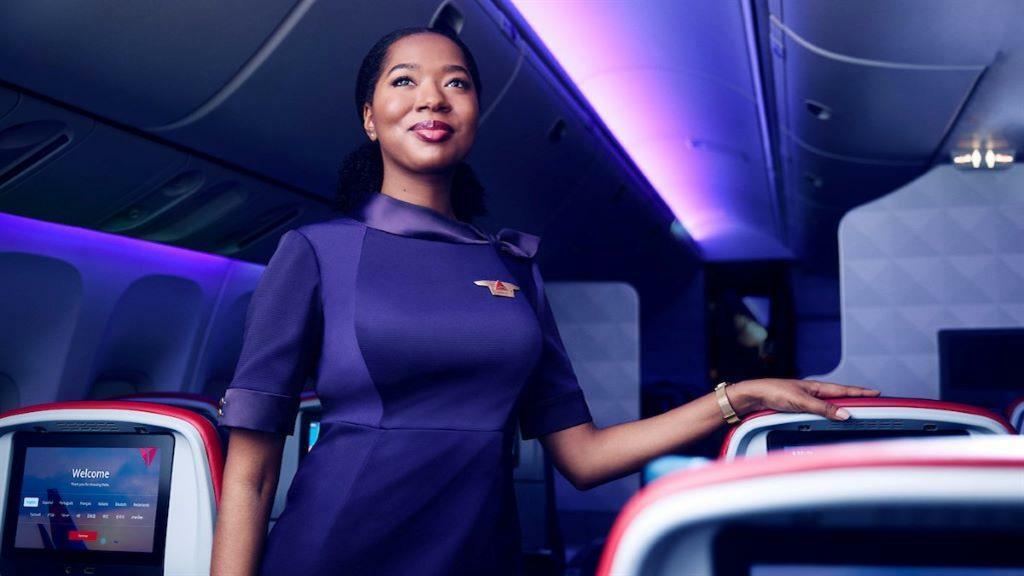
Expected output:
(218, 127)
(868, 95)
(756, 124)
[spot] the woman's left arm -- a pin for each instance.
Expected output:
(589, 456)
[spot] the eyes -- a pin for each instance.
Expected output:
(406, 81)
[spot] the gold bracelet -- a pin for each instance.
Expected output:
(723, 403)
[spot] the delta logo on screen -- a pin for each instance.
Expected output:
(148, 454)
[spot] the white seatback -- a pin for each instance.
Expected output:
(750, 438)
(197, 466)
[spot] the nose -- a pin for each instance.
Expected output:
(430, 97)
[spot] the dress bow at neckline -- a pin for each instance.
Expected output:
(389, 214)
(518, 243)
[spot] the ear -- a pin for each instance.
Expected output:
(368, 126)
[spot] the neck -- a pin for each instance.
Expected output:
(428, 190)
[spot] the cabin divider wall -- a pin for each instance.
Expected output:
(945, 251)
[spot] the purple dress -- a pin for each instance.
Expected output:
(422, 373)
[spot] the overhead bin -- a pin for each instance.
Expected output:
(308, 120)
(861, 81)
(884, 30)
(139, 64)
(864, 109)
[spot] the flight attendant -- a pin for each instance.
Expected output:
(428, 340)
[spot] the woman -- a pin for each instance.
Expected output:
(429, 340)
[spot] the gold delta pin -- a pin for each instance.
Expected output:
(499, 288)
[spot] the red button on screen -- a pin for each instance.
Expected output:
(82, 535)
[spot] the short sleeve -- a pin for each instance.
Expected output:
(281, 343)
(552, 399)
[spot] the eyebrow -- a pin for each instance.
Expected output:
(447, 68)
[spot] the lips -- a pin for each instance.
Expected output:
(432, 125)
(432, 130)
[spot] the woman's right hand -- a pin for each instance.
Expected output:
(786, 395)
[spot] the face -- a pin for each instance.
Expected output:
(424, 77)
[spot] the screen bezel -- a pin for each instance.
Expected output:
(738, 549)
(779, 440)
(22, 440)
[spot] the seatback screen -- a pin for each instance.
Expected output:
(89, 499)
(980, 366)
(803, 443)
(88, 496)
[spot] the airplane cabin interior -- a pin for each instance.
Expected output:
(725, 190)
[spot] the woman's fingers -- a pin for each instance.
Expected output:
(824, 408)
(830, 390)
(811, 396)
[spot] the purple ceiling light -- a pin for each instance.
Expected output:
(18, 233)
(672, 82)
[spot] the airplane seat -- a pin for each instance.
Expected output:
(110, 387)
(301, 441)
(870, 419)
(117, 487)
(936, 506)
(1015, 412)
(533, 480)
(667, 464)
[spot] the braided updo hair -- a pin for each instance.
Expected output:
(362, 170)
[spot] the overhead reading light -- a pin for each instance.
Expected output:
(976, 159)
